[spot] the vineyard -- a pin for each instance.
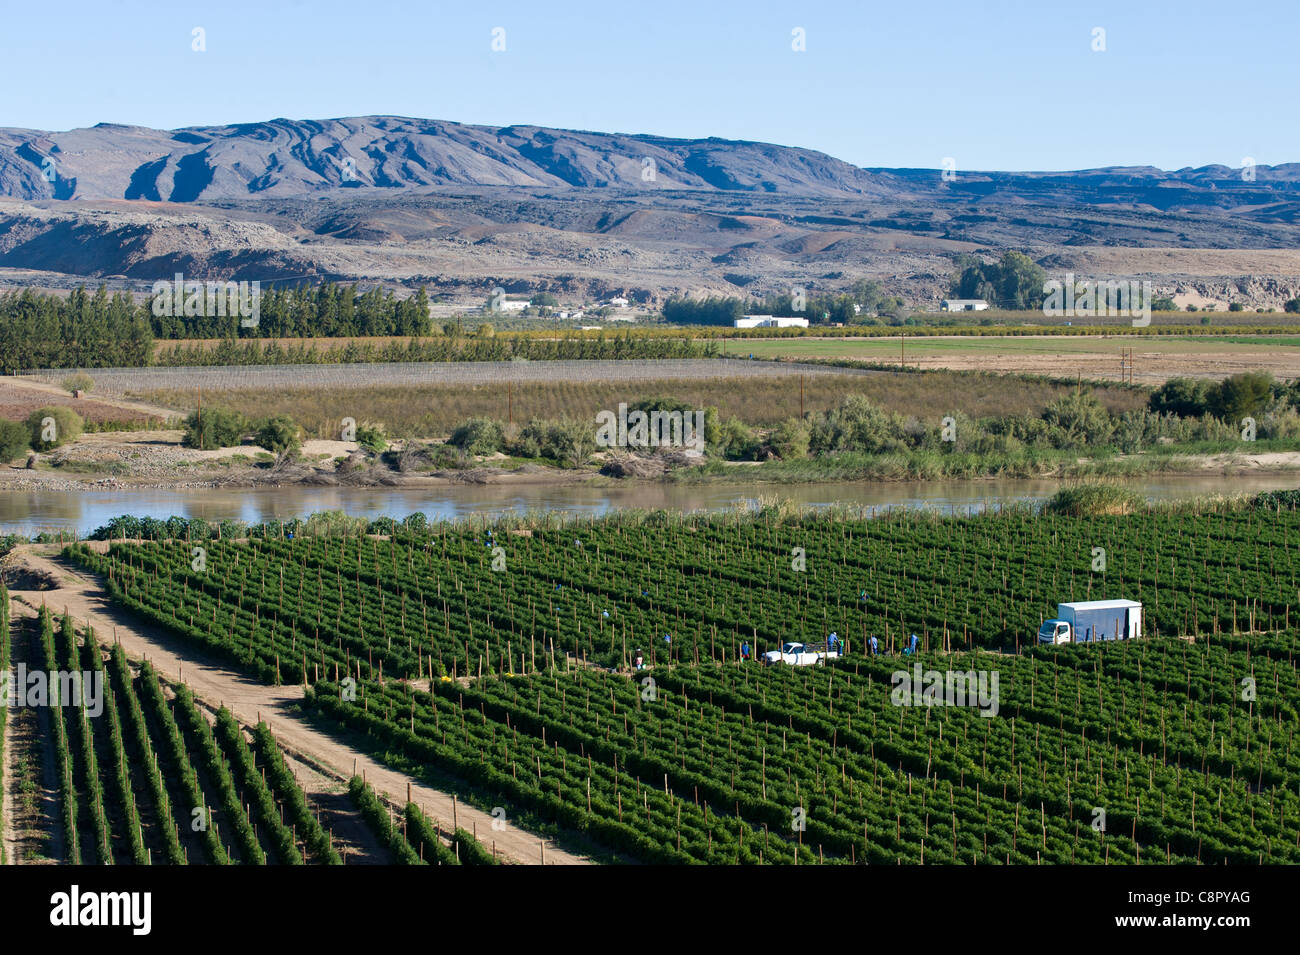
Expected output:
(502, 656)
(145, 777)
(691, 590)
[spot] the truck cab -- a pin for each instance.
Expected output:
(1091, 621)
(1055, 631)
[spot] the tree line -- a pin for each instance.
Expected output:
(328, 310)
(439, 348)
(96, 330)
(865, 303)
(84, 330)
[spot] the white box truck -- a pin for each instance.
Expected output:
(1087, 621)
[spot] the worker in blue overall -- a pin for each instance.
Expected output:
(744, 650)
(911, 650)
(873, 644)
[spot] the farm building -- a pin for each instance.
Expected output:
(963, 305)
(771, 321)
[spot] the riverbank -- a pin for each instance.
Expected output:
(156, 460)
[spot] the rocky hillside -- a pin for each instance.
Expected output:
(284, 157)
(462, 209)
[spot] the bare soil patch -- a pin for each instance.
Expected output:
(19, 398)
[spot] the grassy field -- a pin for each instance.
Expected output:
(762, 401)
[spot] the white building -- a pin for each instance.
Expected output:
(963, 305)
(619, 302)
(509, 305)
(771, 321)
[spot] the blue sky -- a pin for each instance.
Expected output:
(997, 84)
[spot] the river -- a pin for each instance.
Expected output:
(30, 512)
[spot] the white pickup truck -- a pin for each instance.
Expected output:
(800, 654)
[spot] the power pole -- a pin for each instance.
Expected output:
(801, 397)
(1126, 365)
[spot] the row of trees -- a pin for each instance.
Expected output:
(98, 330)
(485, 345)
(83, 330)
(328, 310)
(866, 303)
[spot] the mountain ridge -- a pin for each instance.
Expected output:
(284, 158)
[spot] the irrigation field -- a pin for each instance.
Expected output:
(144, 777)
(122, 381)
(1155, 358)
(1183, 741)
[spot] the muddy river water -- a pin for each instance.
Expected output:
(29, 512)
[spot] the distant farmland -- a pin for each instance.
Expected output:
(758, 400)
(1156, 359)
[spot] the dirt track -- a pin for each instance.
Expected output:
(80, 595)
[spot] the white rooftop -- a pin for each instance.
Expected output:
(1101, 604)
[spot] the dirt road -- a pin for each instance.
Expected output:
(80, 594)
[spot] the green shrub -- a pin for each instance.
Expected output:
(1078, 420)
(1239, 396)
(856, 425)
(1185, 397)
(1088, 500)
(214, 428)
(1283, 424)
(736, 441)
(279, 435)
(15, 439)
(53, 427)
(790, 440)
(567, 441)
(479, 435)
(78, 382)
(372, 438)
